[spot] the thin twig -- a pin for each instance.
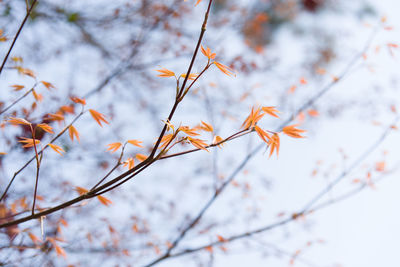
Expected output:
(357, 162)
(19, 99)
(311, 101)
(16, 36)
(143, 165)
(40, 152)
(306, 210)
(37, 167)
(203, 30)
(134, 171)
(112, 170)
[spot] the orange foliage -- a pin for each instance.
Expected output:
(292, 131)
(98, 117)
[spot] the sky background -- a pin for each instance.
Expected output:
(361, 231)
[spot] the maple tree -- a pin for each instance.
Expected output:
(70, 153)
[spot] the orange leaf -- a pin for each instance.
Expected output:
(303, 80)
(67, 109)
(17, 87)
(192, 76)
(292, 89)
(114, 147)
(56, 148)
(126, 252)
(45, 127)
(130, 163)
(141, 157)
(29, 142)
(63, 222)
(59, 250)
(253, 118)
(55, 117)
(200, 144)
(217, 140)
(135, 228)
(27, 72)
(207, 53)
(16, 59)
(313, 113)
(81, 190)
(209, 249)
(321, 71)
(221, 239)
(169, 125)
(225, 69)
(98, 117)
(292, 131)
(188, 131)
(48, 85)
(207, 127)
(301, 117)
(34, 238)
(224, 249)
(274, 144)
(165, 140)
(263, 135)
(78, 100)
(135, 142)
(271, 111)
(73, 133)
(165, 73)
(16, 121)
(380, 166)
(105, 201)
(261, 17)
